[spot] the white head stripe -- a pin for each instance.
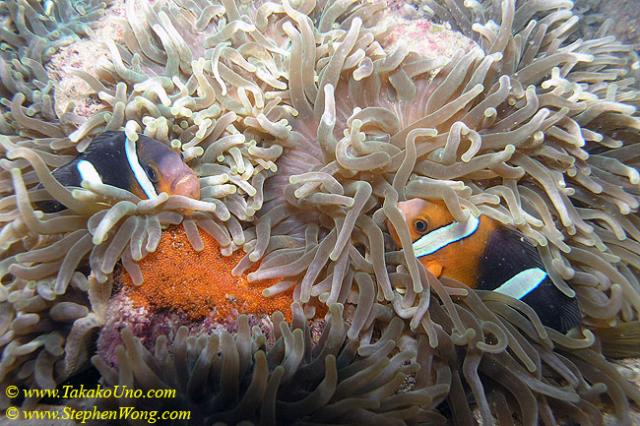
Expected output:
(522, 283)
(442, 237)
(88, 172)
(138, 171)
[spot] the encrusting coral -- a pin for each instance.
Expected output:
(307, 124)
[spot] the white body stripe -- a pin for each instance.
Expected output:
(88, 172)
(442, 237)
(138, 171)
(522, 283)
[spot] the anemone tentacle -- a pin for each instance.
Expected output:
(307, 122)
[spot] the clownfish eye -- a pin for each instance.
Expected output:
(420, 226)
(151, 173)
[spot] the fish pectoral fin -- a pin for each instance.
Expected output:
(435, 268)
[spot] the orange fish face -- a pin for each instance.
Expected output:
(445, 247)
(166, 170)
(422, 217)
(176, 178)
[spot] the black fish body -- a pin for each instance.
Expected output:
(506, 255)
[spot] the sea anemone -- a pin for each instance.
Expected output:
(242, 377)
(307, 122)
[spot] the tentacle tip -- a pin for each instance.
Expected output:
(352, 334)
(254, 256)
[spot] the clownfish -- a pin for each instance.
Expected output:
(145, 167)
(486, 255)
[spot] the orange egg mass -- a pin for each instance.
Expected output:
(197, 284)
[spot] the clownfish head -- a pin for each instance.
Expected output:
(157, 168)
(422, 217)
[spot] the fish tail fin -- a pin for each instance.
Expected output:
(621, 341)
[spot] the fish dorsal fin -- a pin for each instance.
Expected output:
(138, 171)
(445, 235)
